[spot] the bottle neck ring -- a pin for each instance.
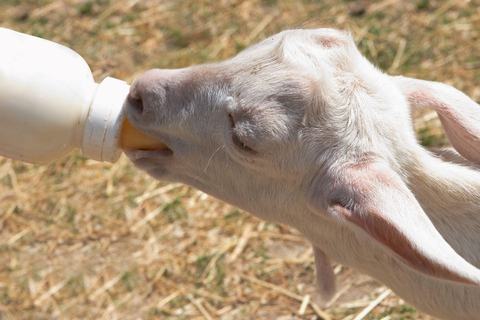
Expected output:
(101, 137)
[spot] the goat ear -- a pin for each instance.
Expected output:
(460, 116)
(371, 199)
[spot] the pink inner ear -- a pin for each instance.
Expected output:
(459, 114)
(381, 205)
(387, 234)
(462, 131)
(466, 140)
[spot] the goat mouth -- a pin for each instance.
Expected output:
(138, 145)
(133, 138)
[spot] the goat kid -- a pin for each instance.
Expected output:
(301, 129)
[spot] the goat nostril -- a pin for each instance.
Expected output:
(135, 103)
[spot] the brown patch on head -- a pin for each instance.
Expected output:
(328, 41)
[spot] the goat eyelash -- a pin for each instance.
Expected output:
(239, 142)
(235, 138)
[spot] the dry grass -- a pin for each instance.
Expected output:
(87, 240)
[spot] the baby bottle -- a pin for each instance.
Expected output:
(50, 105)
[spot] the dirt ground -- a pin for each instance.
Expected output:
(86, 240)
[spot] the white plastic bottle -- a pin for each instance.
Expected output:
(50, 104)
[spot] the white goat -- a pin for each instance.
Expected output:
(301, 129)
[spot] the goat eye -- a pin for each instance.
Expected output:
(235, 138)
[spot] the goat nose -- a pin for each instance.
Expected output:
(135, 102)
(144, 93)
(158, 92)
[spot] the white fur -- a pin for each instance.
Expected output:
(333, 153)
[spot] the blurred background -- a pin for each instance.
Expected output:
(86, 240)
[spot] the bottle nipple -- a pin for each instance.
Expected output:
(131, 137)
